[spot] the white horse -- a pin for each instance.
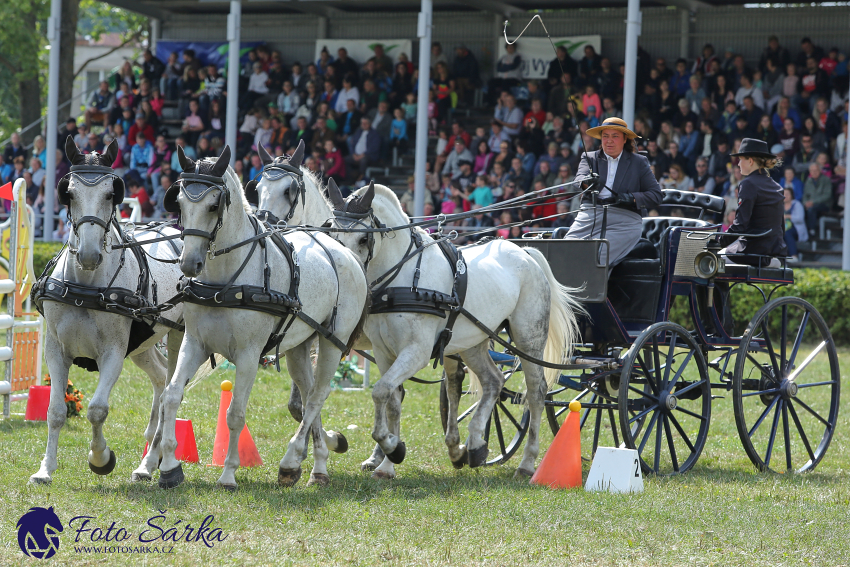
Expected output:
(506, 285)
(91, 274)
(332, 293)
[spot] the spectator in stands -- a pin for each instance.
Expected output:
(545, 175)
(458, 154)
(773, 79)
(466, 73)
(817, 196)
(443, 86)
(680, 81)
(792, 182)
(371, 96)
(747, 89)
(508, 115)
(591, 99)
(657, 158)
(101, 104)
(141, 156)
(257, 87)
(364, 148)
(348, 91)
(813, 84)
(805, 157)
(152, 67)
(676, 178)
(819, 140)
(528, 158)
(808, 50)
(785, 110)
(497, 136)
(288, 101)
(344, 64)
(826, 120)
(795, 224)
(483, 158)
(765, 131)
(532, 136)
(402, 85)
(14, 148)
(480, 193)
(562, 63)
(508, 74)
(775, 52)
(518, 175)
(703, 181)
(589, 65)
(140, 126)
(381, 120)
(192, 126)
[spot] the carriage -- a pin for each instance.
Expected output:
(647, 383)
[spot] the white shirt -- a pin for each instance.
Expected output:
(360, 147)
(613, 164)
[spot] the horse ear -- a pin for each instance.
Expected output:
(265, 156)
(298, 156)
(186, 163)
(335, 194)
(220, 167)
(366, 199)
(110, 153)
(71, 151)
(251, 193)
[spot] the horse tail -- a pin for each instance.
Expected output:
(563, 324)
(367, 306)
(205, 371)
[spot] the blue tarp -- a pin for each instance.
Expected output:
(207, 52)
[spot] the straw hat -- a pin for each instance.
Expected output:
(612, 124)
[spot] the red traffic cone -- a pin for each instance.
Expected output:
(37, 403)
(187, 448)
(561, 465)
(248, 454)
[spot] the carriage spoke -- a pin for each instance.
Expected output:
(670, 444)
(787, 435)
(806, 362)
(784, 337)
(465, 414)
(648, 432)
(799, 340)
(510, 416)
(681, 370)
(647, 372)
(813, 412)
(596, 431)
(499, 434)
(772, 434)
(689, 387)
(613, 427)
(763, 415)
(769, 345)
(761, 393)
(682, 432)
(813, 384)
(669, 360)
(657, 457)
(655, 356)
(801, 431)
(587, 412)
(690, 413)
(643, 394)
(643, 413)
(762, 369)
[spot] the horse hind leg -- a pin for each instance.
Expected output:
(57, 412)
(479, 361)
(453, 375)
(156, 366)
(386, 469)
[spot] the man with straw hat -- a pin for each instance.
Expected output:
(626, 188)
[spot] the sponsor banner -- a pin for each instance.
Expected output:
(215, 52)
(537, 52)
(361, 50)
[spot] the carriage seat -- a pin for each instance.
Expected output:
(741, 272)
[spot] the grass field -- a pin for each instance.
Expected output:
(721, 513)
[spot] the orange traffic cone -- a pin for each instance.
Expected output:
(187, 448)
(561, 465)
(37, 402)
(248, 454)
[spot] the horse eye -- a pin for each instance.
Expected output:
(364, 241)
(213, 208)
(109, 196)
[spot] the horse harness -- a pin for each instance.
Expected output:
(287, 306)
(118, 300)
(275, 172)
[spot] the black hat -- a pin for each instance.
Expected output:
(754, 148)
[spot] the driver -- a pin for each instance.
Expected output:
(624, 182)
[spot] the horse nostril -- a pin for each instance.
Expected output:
(198, 267)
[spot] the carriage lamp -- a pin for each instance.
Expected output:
(707, 264)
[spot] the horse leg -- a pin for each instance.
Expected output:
(536, 394)
(454, 383)
(101, 457)
(413, 358)
(289, 470)
(479, 361)
(386, 468)
(155, 366)
(191, 356)
(246, 373)
(58, 367)
(300, 368)
(295, 405)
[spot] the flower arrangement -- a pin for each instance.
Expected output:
(73, 398)
(346, 375)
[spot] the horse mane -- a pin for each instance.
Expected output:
(385, 198)
(316, 180)
(205, 167)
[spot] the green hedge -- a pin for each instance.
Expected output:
(827, 290)
(42, 253)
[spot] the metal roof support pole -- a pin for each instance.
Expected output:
(424, 33)
(156, 32)
(685, 31)
(633, 23)
(845, 256)
(52, 131)
(234, 31)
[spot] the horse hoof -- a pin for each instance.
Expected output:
(40, 480)
(381, 475)
(288, 478)
(368, 466)
(397, 456)
(172, 478)
(227, 487)
(107, 468)
(523, 473)
(140, 477)
(318, 479)
(341, 444)
(478, 457)
(461, 462)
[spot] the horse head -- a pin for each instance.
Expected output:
(91, 191)
(280, 190)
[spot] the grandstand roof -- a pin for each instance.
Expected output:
(333, 8)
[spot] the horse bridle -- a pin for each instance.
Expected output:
(91, 176)
(188, 185)
(276, 172)
(354, 219)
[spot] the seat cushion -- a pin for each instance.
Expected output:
(643, 250)
(637, 267)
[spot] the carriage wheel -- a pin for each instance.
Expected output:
(508, 422)
(786, 386)
(599, 426)
(665, 399)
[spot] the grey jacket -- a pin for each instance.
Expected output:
(633, 176)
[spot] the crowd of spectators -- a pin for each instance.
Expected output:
(354, 114)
